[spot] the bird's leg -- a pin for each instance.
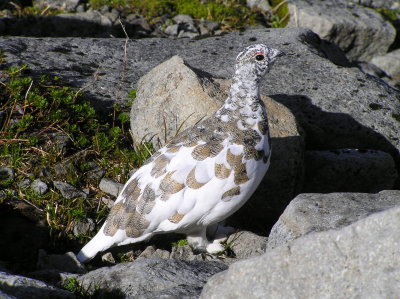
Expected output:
(198, 240)
(218, 233)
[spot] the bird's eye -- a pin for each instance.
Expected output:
(259, 57)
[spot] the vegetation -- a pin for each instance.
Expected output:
(45, 126)
(182, 242)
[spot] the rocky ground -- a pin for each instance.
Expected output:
(323, 222)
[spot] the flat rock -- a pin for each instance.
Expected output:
(152, 278)
(359, 31)
(358, 261)
(23, 287)
(110, 187)
(64, 262)
(348, 170)
(246, 244)
(181, 96)
(333, 103)
(68, 191)
(320, 212)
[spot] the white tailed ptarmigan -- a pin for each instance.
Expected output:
(203, 175)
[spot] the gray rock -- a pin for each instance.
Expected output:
(259, 4)
(211, 25)
(64, 262)
(56, 4)
(151, 278)
(148, 252)
(184, 253)
(25, 183)
(371, 69)
(319, 212)
(183, 19)
(330, 101)
(83, 227)
(160, 253)
(23, 287)
(172, 29)
(39, 187)
(391, 4)
(68, 191)
(110, 187)
(6, 173)
(361, 32)
(390, 62)
(108, 257)
(183, 34)
(348, 170)
(95, 172)
(358, 261)
(246, 244)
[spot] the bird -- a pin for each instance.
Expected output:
(203, 175)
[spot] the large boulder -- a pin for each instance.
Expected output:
(151, 278)
(359, 31)
(338, 106)
(358, 261)
(313, 212)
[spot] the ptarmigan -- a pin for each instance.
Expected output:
(203, 175)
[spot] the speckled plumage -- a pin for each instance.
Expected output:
(203, 175)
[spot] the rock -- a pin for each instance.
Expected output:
(172, 29)
(163, 91)
(360, 32)
(83, 227)
(187, 34)
(6, 173)
(64, 262)
(246, 244)
(183, 19)
(389, 62)
(330, 99)
(259, 4)
(23, 287)
(148, 252)
(39, 187)
(152, 278)
(160, 253)
(110, 187)
(184, 252)
(25, 183)
(57, 4)
(52, 276)
(108, 257)
(68, 191)
(371, 69)
(391, 4)
(309, 213)
(358, 261)
(210, 25)
(348, 170)
(95, 172)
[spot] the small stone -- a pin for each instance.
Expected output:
(110, 187)
(6, 173)
(259, 4)
(83, 228)
(160, 253)
(183, 19)
(95, 172)
(39, 187)
(108, 257)
(148, 252)
(64, 262)
(172, 29)
(211, 25)
(68, 191)
(246, 244)
(25, 183)
(183, 253)
(203, 30)
(183, 34)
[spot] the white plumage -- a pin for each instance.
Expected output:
(203, 175)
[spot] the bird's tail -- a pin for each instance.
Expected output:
(100, 242)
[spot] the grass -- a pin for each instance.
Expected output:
(36, 111)
(232, 14)
(182, 242)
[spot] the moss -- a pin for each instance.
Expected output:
(37, 109)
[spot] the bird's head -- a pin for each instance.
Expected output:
(256, 60)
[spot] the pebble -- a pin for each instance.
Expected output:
(6, 173)
(39, 187)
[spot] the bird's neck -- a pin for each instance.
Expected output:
(243, 100)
